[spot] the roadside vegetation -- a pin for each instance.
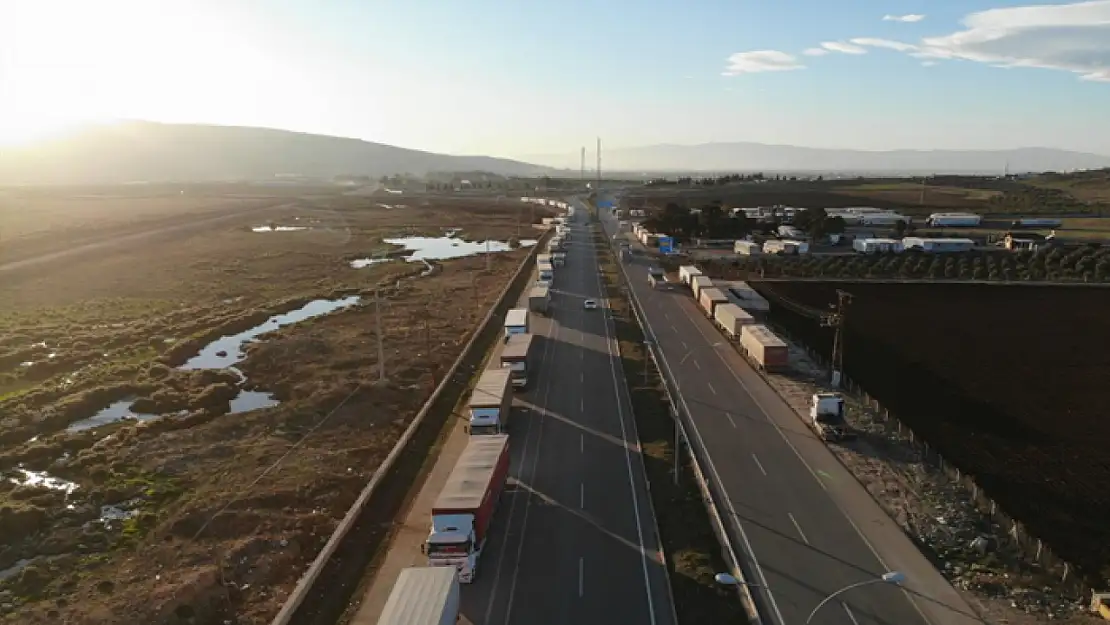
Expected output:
(692, 550)
(1081, 193)
(1087, 264)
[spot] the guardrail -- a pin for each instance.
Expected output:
(324, 576)
(710, 492)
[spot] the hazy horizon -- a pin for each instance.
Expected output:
(485, 79)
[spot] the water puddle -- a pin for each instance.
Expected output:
(223, 353)
(362, 263)
(115, 412)
(447, 247)
(41, 479)
(228, 350)
(278, 228)
(15, 569)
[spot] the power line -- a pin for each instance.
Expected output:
(836, 320)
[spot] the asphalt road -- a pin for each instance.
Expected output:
(574, 538)
(799, 543)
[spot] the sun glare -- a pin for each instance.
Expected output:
(167, 61)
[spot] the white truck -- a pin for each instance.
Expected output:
(545, 273)
(686, 272)
(826, 416)
(423, 595)
(516, 322)
(539, 299)
(558, 259)
(491, 402)
(953, 220)
(517, 357)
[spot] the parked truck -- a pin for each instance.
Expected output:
(539, 299)
(732, 319)
(490, 403)
(518, 357)
(697, 283)
(953, 220)
(710, 298)
(826, 416)
(767, 350)
(686, 272)
(516, 322)
(461, 514)
(558, 259)
(545, 273)
(423, 595)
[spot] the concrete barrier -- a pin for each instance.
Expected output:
(698, 454)
(457, 376)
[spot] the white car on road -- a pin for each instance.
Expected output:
(590, 304)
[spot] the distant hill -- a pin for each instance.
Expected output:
(736, 157)
(145, 151)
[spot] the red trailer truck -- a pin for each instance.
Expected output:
(462, 513)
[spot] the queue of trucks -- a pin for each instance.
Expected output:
(735, 308)
(463, 510)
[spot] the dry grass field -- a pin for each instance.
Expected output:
(227, 475)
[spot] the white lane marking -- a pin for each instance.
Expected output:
(581, 376)
(729, 417)
(760, 465)
(674, 328)
(582, 496)
(798, 527)
(666, 316)
(581, 575)
(685, 346)
(554, 336)
(849, 611)
(711, 389)
(582, 444)
(582, 404)
(548, 357)
(730, 513)
(813, 473)
(608, 319)
(696, 365)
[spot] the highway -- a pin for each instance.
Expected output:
(798, 542)
(574, 538)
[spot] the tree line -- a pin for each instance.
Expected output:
(1088, 263)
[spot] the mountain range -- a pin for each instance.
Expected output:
(737, 157)
(134, 151)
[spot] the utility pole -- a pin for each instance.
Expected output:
(378, 331)
(598, 166)
(582, 174)
(489, 257)
(836, 320)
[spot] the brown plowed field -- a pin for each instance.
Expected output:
(209, 511)
(1008, 383)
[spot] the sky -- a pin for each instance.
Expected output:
(543, 77)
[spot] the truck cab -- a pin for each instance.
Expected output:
(826, 413)
(516, 322)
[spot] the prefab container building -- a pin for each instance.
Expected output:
(767, 350)
(877, 246)
(938, 245)
(785, 247)
(697, 283)
(709, 298)
(883, 219)
(731, 318)
(950, 220)
(747, 248)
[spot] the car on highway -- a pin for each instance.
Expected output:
(590, 304)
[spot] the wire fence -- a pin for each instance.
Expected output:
(1033, 548)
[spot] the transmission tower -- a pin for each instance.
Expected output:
(836, 320)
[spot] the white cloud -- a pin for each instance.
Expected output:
(815, 52)
(884, 43)
(928, 63)
(1068, 37)
(760, 61)
(844, 48)
(909, 19)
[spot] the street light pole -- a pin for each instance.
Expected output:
(892, 577)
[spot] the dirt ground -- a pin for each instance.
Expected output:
(208, 514)
(1005, 382)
